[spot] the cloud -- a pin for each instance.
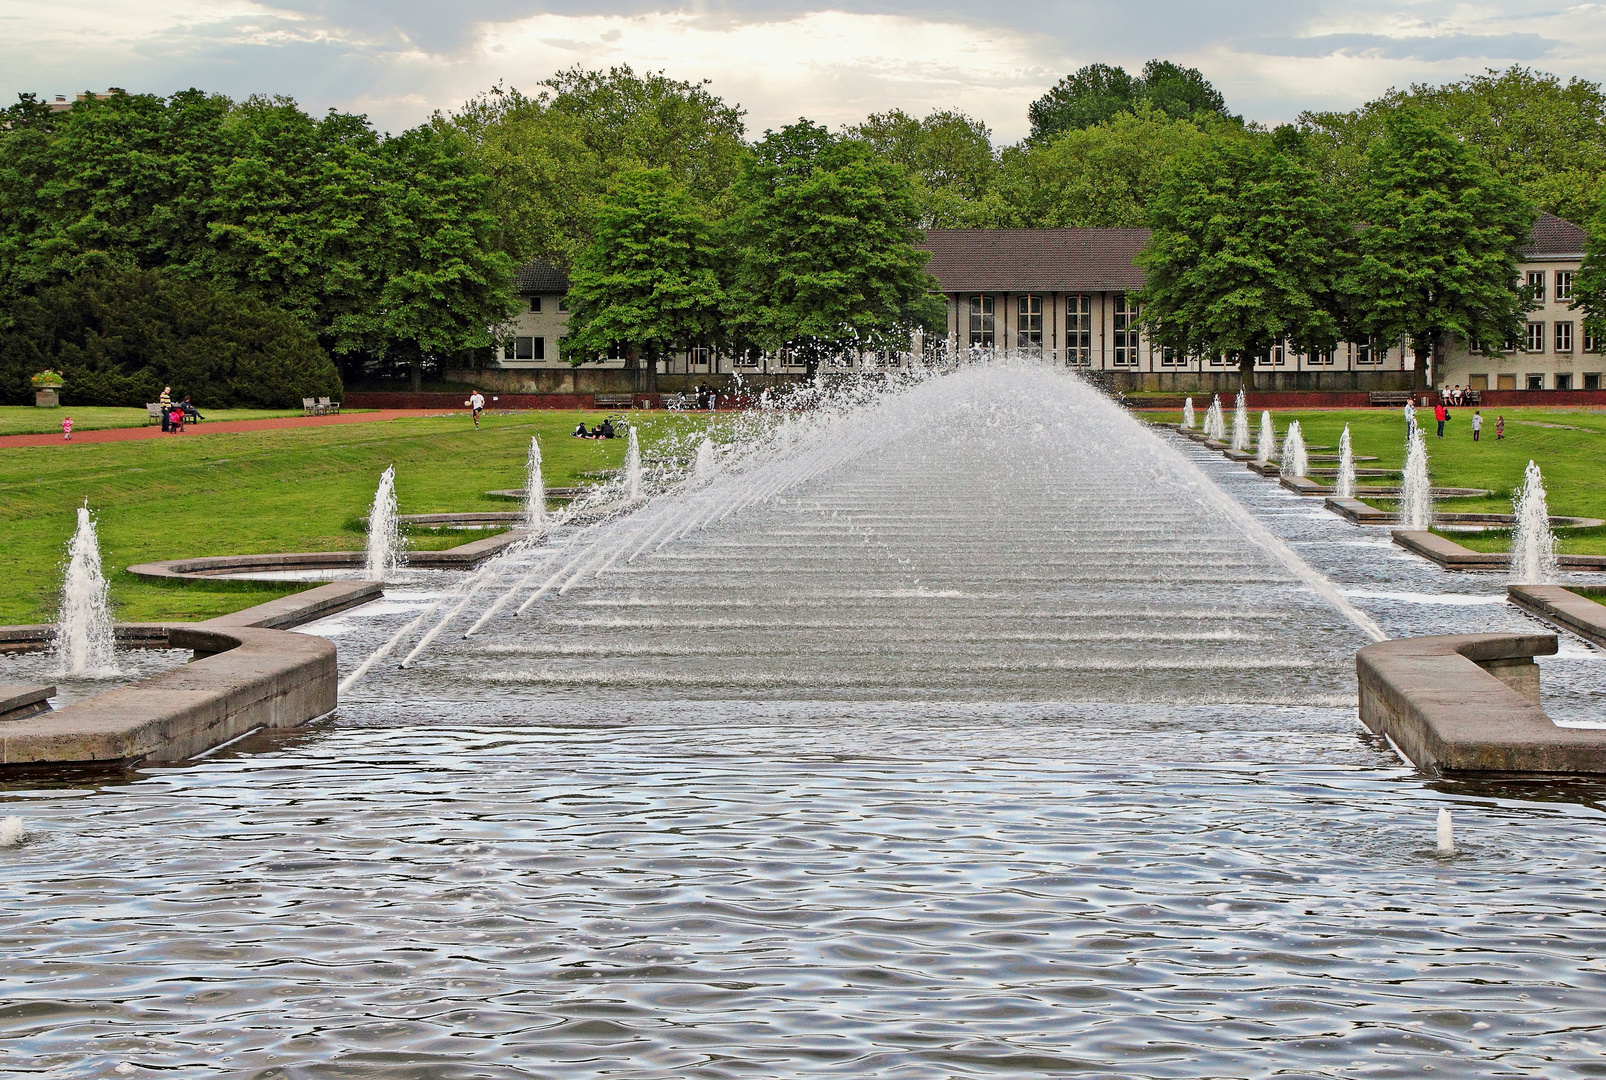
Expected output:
(1432, 48)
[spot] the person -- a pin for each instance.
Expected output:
(1441, 414)
(190, 413)
(175, 420)
(476, 401)
(164, 402)
(605, 431)
(66, 428)
(580, 432)
(1499, 428)
(1410, 421)
(1477, 425)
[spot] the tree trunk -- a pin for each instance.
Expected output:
(418, 374)
(1246, 372)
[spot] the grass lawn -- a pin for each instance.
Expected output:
(1569, 446)
(30, 420)
(298, 489)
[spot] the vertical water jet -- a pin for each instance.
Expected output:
(703, 467)
(1214, 428)
(386, 548)
(1416, 487)
(1266, 443)
(85, 644)
(1446, 833)
(1240, 423)
(1533, 544)
(633, 465)
(1345, 488)
(1295, 460)
(534, 490)
(1187, 414)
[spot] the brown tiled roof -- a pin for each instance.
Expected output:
(1030, 260)
(540, 276)
(1553, 237)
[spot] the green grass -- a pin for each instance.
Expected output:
(1569, 446)
(1596, 594)
(29, 420)
(1570, 541)
(296, 489)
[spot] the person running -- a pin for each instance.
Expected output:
(164, 401)
(1477, 425)
(476, 401)
(1499, 428)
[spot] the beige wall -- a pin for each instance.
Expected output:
(1518, 368)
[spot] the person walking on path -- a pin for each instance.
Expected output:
(1477, 425)
(1441, 414)
(476, 401)
(66, 428)
(164, 401)
(1499, 428)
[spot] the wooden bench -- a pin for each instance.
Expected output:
(309, 407)
(153, 412)
(325, 406)
(614, 401)
(1397, 398)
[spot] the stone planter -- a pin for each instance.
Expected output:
(48, 397)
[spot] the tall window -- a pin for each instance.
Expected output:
(1536, 337)
(1322, 357)
(699, 356)
(1029, 331)
(1564, 337)
(535, 303)
(1275, 357)
(1360, 353)
(1079, 329)
(1592, 339)
(1172, 358)
(1126, 331)
(981, 321)
(1536, 285)
(1564, 284)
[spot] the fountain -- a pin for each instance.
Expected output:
(1240, 424)
(1446, 834)
(1214, 428)
(1295, 460)
(1416, 488)
(85, 643)
(1266, 444)
(1345, 487)
(1187, 414)
(534, 490)
(633, 466)
(12, 831)
(1533, 544)
(386, 548)
(703, 467)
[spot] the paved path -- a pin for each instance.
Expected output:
(152, 431)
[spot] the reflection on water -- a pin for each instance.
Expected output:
(994, 754)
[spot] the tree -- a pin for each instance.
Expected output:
(826, 256)
(1589, 287)
(1247, 252)
(1442, 236)
(551, 158)
(648, 282)
(1098, 93)
(119, 336)
(948, 155)
(1101, 176)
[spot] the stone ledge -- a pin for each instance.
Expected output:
(21, 700)
(1564, 608)
(463, 557)
(1470, 703)
(1453, 556)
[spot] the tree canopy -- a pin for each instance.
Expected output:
(949, 157)
(1097, 93)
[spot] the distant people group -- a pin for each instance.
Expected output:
(603, 430)
(1456, 395)
(175, 415)
(1441, 415)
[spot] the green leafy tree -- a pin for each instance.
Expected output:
(1589, 287)
(119, 336)
(648, 282)
(1100, 176)
(826, 255)
(949, 158)
(551, 159)
(1247, 252)
(1098, 93)
(1443, 234)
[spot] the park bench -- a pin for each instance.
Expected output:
(1397, 398)
(309, 407)
(614, 401)
(325, 406)
(153, 412)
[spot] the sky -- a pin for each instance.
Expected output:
(400, 60)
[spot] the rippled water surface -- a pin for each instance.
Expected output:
(994, 749)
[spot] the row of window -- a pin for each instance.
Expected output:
(1561, 338)
(1561, 380)
(1563, 280)
(535, 304)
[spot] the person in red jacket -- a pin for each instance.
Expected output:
(1441, 414)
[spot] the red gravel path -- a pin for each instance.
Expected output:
(152, 431)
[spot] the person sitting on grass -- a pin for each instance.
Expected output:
(580, 432)
(605, 430)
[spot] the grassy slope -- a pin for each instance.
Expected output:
(303, 489)
(28, 420)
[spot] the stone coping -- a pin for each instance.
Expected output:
(551, 493)
(1564, 608)
(42, 636)
(1359, 513)
(248, 673)
(462, 557)
(19, 701)
(1453, 556)
(1469, 703)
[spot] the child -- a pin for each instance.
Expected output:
(1477, 425)
(1499, 428)
(175, 420)
(66, 428)
(476, 402)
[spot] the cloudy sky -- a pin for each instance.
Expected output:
(398, 60)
